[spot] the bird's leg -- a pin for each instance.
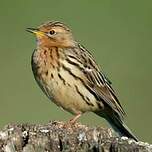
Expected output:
(74, 119)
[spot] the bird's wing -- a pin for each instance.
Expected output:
(96, 81)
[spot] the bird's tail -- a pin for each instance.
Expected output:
(119, 126)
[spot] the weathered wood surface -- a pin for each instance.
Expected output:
(56, 136)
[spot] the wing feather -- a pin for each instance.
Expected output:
(95, 80)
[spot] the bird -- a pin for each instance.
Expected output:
(69, 76)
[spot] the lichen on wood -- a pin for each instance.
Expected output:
(58, 136)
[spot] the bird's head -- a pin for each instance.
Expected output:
(53, 34)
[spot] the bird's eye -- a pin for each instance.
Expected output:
(52, 32)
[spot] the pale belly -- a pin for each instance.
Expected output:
(67, 92)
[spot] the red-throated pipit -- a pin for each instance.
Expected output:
(69, 76)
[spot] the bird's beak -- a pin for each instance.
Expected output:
(35, 31)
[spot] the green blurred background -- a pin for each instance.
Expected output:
(119, 34)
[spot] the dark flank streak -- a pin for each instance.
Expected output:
(46, 73)
(52, 75)
(61, 78)
(87, 87)
(98, 98)
(79, 92)
(68, 84)
(70, 72)
(83, 97)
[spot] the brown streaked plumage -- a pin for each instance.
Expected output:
(68, 74)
